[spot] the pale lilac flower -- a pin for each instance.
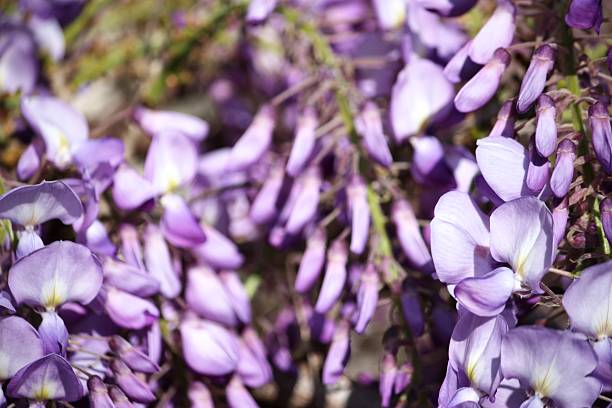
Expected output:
(546, 128)
(497, 32)
(369, 126)
(359, 209)
(259, 10)
(338, 354)
(409, 235)
(367, 297)
(255, 141)
(601, 130)
(563, 172)
(18, 62)
(390, 13)
(304, 142)
(504, 124)
(541, 65)
(312, 261)
(20, 344)
(156, 123)
(335, 277)
(538, 358)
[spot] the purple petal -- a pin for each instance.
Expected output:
(538, 170)
(335, 277)
(238, 295)
(369, 126)
(253, 367)
(129, 278)
(504, 124)
(20, 344)
(434, 95)
(563, 172)
(206, 296)
(546, 128)
(129, 311)
(388, 373)
(533, 83)
(588, 301)
(29, 161)
(449, 8)
(131, 190)
(522, 236)
(58, 273)
(584, 14)
(159, 263)
(303, 144)
(259, 10)
(538, 357)
(486, 295)
(605, 208)
(497, 32)
(18, 62)
(482, 87)
(312, 261)
(134, 387)
(49, 378)
(254, 142)
(306, 201)
(61, 126)
(367, 298)
(209, 348)
(32, 205)
(132, 356)
(359, 214)
(337, 355)
(238, 396)
(460, 67)
(49, 36)
(218, 251)
(98, 393)
(171, 162)
(53, 333)
(601, 130)
(409, 235)
(503, 163)
(264, 207)
(411, 309)
(560, 214)
(200, 396)
(157, 122)
(475, 350)
(428, 164)
(459, 238)
(179, 225)
(390, 13)
(29, 241)
(603, 372)
(96, 238)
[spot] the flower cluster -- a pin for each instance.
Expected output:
(347, 217)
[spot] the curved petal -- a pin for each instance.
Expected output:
(35, 204)
(488, 294)
(129, 311)
(179, 225)
(131, 190)
(588, 301)
(49, 378)
(156, 122)
(503, 163)
(159, 262)
(459, 238)
(20, 344)
(497, 32)
(171, 162)
(206, 296)
(522, 236)
(218, 251)
(208, 347)
(58, 273)
(539, 357)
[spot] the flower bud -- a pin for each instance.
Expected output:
(460, 67)
(367, 297)
(599, 121)
(53, 333)
(480, 89)
(119, 398)
(357, 195)
(559, 214)
(335, 277)
(312, 261)
(306, 201)
(338, 354)
(238, 396)
(303, 144)
(369, 126)
(206, 296)
(563, 173)
(546, 128)
(497, 32)
(254, 143)
(585, 14)
(135, 388)
(132, 356)
(538, 170)
(409, 235)
(388, 372)
(542, 63)
(504, 124)
(98, 394)
(199, 395)
(411, 309)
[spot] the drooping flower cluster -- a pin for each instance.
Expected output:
(350, 218)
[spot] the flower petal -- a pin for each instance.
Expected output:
(20, 344)
(486, 295)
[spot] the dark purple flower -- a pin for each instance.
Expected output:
(585, 14)
(599, 122)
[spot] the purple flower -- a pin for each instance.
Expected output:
(335, 277)
(238, 396)
(199, 395)
(367, 297)
(62, 127)
(588, 303)
(463, 251)
(359, 209)
(369, 126)
(538, 358)
(546, 128)
(538, 169)
(560, 213)
(460, 67)
(218, 251)
(605, 208)
(129, 311)
(307, 192)
(133, 386)
(448, 8)
(264, 207)
(206, 296)
(253, 367)
(133, 357)
(48, 35)
(48, 378)
(208, 347)
(159, 262)
(303, 144)
(338, 354)
(564, 168)
(18, 63)
(409, 235)
(542, 63)
(254, 142)
(482, 87)
(390, 13)
(20, 344)
(312, 261)
(504, 124)
(98, 393)
(160, 122)
(259, 10)
(434, 96)
(497, 32)
(599, 122)
(585, 14)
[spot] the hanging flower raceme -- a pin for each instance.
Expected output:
(486, 259)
